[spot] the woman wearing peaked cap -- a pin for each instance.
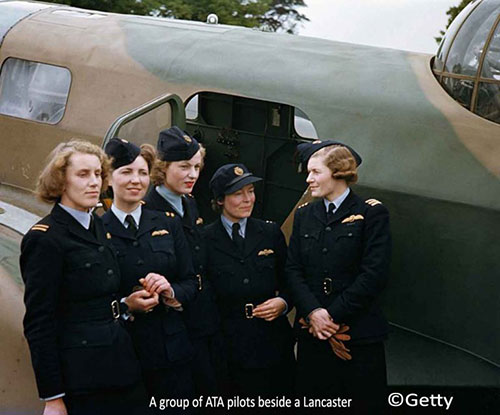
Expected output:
(174, 174)
(337, 267)
(83, 357)
(246, 259)
(154, 258)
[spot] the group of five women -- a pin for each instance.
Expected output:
(147, 302)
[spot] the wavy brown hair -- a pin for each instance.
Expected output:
(158, 174)
(52, 179)
(340, 161)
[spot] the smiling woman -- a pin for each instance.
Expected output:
(84, 362)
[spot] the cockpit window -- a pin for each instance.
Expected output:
(491, 65)
(34, 91)
(465, 53)
(468, 60)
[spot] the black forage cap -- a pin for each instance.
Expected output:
(175, 145)
(306, 150)
(122, 152)
(230, 178)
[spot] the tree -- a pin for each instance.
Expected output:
(268, 15)
(452, 13)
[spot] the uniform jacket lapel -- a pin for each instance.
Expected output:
(115, 227)
(63, 217)
(253, 236)
(147, 223)
(223, 242)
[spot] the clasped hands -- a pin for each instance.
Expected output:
(270, 309)
(154, 287)
(322, 326)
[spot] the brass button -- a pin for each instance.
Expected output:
(87, 265)
(135, 243)
(140, 262)
(110, 272)
(328, 229)
(246, 281)
(100, 249)
(324, 250)
(196, 248)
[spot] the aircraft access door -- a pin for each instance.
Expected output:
(260, 134)
(143, 124)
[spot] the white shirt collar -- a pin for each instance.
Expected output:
(121, 215)
(83, 218)
(338, 201)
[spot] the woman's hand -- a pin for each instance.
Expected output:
(55, 407)
(270, 309)
(141, 301)
(156, 283)
(322, 325)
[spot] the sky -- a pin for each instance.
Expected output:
(399, 24)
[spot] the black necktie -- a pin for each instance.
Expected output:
(92, 226)
(237, 238)
(132, 226)
(329, 214)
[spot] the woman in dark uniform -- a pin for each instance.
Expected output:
(174, 176)
(246, 259)
(152, 253)
(337, 267)
(83, 357)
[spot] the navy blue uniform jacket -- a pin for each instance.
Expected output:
(71, 278)
(250, 278)
(353, 250)
(201, 314)
(160, 337)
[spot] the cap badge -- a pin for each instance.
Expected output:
(238, 171)
(187, 138)
(123, 141)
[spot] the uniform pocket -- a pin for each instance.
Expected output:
(82, 260)
(162, 244)
(91, 335)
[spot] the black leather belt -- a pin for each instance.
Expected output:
(96, 309)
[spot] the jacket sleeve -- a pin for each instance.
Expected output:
(185, 286)
(305, 300)
(42, 271)
(373, 269)
(281, 252)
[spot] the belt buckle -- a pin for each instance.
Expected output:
(115, 309)
(200, 283)
(327, 286)
(249, 310)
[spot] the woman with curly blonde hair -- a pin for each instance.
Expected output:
(83, 357)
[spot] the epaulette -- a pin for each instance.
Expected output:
(373, 202)
(40, 227)
(170, 214)
(199, 221)
(142, 202)
(304, 204)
